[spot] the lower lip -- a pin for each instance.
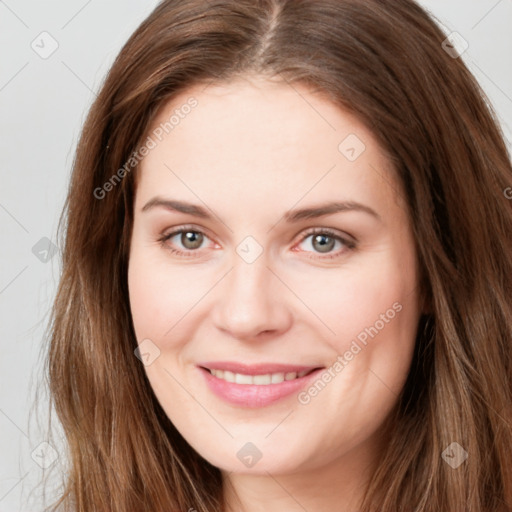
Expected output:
(252, 395)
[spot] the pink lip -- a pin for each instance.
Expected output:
(252, 395)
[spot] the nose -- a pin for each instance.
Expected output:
(252, 302)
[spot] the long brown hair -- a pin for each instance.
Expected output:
(383, 60)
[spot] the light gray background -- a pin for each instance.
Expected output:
(43, 104)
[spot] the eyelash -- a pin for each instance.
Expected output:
(350, 245)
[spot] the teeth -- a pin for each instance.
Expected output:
(242, 379)
(269, 378)
(228, 376)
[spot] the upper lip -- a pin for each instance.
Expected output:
(256, 369)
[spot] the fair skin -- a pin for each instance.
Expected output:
(250, 151)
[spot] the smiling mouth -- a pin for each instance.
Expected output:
(256, 385)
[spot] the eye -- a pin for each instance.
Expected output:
(324, 240)
(188, 237)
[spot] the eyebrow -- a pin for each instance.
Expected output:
(290, 216)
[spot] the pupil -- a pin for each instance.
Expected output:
(192, 239)
(324, 247)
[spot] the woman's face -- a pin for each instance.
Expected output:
(271, 239)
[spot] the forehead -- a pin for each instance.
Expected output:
(259, 110)
(265, 139)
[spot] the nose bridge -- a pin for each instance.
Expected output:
(249, 301)
(249, 281)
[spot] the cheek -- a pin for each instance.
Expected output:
(376, 328)
(372, 312)
(358, 298)
(160, 294)
(145, 299)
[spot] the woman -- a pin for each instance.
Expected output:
(287, 269)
